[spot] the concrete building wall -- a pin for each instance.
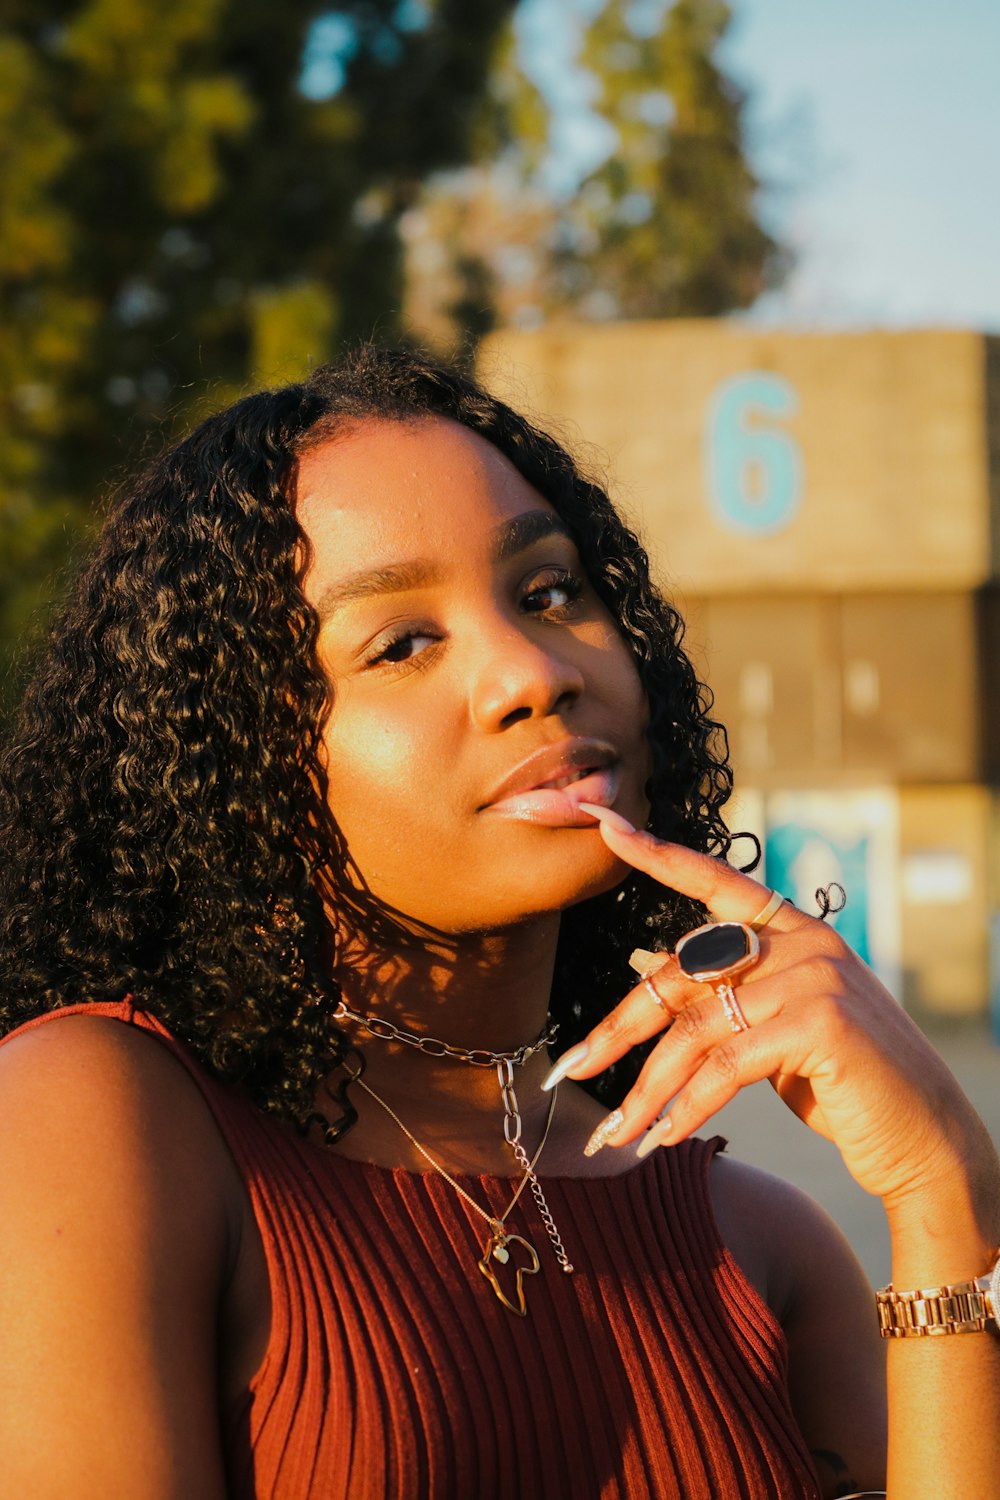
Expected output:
(945, 891)
(785, 461)
(825, 511)
(843, 688)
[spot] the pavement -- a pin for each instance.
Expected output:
(762, 1131)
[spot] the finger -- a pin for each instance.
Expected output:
(728, 893)
(729, 1068)
(702, 1030)
(647, 1009)
(650, 1007)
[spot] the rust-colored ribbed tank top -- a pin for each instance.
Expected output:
(653, 1372)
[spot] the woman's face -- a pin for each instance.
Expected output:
(476, 677)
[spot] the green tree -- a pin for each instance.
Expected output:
(667, 225)
(198, 195)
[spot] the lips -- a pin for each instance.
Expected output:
(548, 786)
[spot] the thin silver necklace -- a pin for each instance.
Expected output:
(497, 1246)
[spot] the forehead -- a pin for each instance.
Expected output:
(384, 489)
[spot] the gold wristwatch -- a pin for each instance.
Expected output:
(963, 1307)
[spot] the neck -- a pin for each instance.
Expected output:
(489, 993)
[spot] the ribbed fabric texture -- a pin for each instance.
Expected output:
(393, 1373)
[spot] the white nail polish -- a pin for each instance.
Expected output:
(568, 1060)
(654, 1137)
(645, 963)
(607, 817)
(604, 1132)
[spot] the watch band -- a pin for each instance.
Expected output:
(961, 1307)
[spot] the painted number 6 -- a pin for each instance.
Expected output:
(754, 468)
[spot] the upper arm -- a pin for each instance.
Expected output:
(113, 1250)
(821, 1296)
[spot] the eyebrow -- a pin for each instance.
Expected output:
(517, 534)
(393, 578)
(509, 538)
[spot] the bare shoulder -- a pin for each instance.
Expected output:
(101, 1126)
(806, 1271)
(117, 1237)
(779, 1236)
(96, 1055)
(94, 1091)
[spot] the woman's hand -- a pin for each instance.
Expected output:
(847, 1060)
(832, 1041)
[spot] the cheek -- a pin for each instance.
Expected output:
(371, 773)
(623, 687)
(626, 691)
(388, 787)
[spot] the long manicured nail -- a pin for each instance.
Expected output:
(645, 963)
(655, 1137)
(604, 1132)
(607, 817)
(568, 1060)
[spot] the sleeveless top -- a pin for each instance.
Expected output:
(654, 1372)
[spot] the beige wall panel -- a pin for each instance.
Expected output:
(890, 433)
(847, 690)
(988, 645)
(992, 355)
(772, 665)
(910, 685)
(944, 877)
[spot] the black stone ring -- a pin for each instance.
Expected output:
(719, 950)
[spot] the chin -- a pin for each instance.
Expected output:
(610, 880)
(521, 905)
(580, 883)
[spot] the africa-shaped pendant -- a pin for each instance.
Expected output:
(498, 1250)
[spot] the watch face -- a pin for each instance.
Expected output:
(717, 950)
(994, 1293)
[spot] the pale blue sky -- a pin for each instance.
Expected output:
(880, 121)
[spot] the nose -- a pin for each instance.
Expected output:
(519, 677)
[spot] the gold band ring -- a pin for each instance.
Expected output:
(767, 911)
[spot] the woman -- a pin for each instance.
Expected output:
(319, 818)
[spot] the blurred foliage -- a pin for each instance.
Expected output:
(197, 195)
(205, 195)
(667, 225)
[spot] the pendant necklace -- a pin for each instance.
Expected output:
(498, 1247)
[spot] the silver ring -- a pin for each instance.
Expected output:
(734, 1015)
(649, 985)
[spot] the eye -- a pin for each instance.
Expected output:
(400, 648)
(554, 593)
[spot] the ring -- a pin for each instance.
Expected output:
(649, 985)
(644, 962)
(734, 1015)
(719, 950)
(767, 911)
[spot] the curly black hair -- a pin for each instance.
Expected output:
(163, 813)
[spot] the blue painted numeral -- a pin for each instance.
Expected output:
(754, 468)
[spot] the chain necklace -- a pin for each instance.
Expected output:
(512, 1135)
(500, 1239)
(496, 1247)
(479, 1057)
